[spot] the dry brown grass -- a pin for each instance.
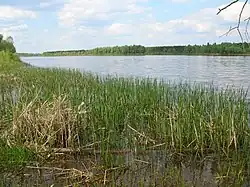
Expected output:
(42, 126)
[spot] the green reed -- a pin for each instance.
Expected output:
(133, 113)
(181, 116)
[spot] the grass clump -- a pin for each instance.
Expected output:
(44, 125)
(9, 61)
(13, 157)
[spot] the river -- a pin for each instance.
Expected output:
(222, 71)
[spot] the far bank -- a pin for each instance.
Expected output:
(223, 49)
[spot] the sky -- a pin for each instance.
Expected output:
(45, 25)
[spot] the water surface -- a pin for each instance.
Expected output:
(222, 71)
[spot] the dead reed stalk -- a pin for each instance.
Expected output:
(45, 125)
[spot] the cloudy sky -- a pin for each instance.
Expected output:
(43, 25)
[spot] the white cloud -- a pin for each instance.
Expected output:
(203, 22)
(15, 28)
(119, 29)
(11, 21)
(180, 1)
(85, 32)
(199, 27)
(49, 3)
(78, 10)
(10, 13)
(45, 4)
(15, 31)
(189, 24)
(139, 31)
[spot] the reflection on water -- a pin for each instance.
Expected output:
(151, 168)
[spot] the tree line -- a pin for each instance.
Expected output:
(225, 48)
(7, 44)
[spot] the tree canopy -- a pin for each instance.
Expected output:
(7, 44)
(208, 49)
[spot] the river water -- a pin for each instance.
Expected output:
(222, 71)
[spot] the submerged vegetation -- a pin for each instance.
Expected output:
(51, 111)
(208, 49)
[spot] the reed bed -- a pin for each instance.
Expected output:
(131, 114)
(43, 110)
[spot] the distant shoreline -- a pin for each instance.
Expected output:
(137, 55)
(223, 49)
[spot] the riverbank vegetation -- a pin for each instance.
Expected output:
(208, 49)
(122, 114)
(50, 111)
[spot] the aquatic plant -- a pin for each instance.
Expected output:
(131, 114)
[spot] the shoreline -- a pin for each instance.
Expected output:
(230, 55)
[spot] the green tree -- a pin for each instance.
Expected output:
(7, 45)
(1, 38)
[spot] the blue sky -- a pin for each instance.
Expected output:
(41, 25)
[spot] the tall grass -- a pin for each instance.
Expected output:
(136, 113)
(54, 109)
(126, 114)
(8, 61)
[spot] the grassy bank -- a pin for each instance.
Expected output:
(11, 156)
(9, 61)
(45, 110)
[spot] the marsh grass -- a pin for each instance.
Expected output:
(43, 109)
(131, 113)
(14, 157)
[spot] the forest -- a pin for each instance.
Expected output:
(208, 49)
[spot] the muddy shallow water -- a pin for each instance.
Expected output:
(151, 168)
